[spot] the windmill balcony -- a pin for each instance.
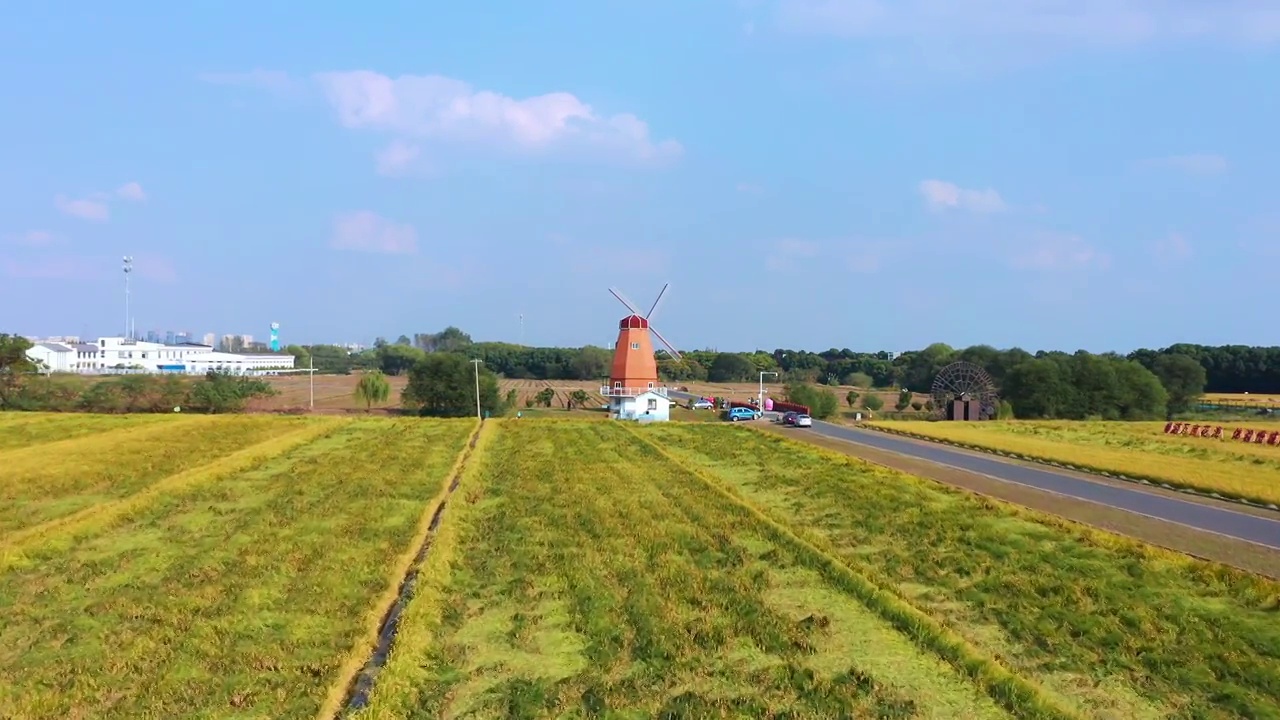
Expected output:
(607, 391)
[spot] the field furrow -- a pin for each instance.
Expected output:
(20, 430)
(1136, 449)
(590, 576)
(53, 480)
(1107, 625)
(235, 598)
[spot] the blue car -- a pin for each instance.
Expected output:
(742, 413)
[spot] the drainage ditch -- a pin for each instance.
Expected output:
(362, 685)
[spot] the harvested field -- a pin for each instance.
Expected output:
(1137, 449)
(237, 593)
(332, 393)
(1106, 626)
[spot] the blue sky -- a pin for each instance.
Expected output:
(805, 173)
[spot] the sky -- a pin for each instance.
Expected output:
(1056, 174)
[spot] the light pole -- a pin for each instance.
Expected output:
(128, 270)
(762, 374)
(477, 365)
(311, 375)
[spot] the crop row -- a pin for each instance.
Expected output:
(584, 573)
(20, 430)
(1104, 624)
(239, 597)
(1135, 450)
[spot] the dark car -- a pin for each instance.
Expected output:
(790, 418)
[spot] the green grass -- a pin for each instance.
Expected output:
(238, 598)
(592, 578)
(1107, 625)
(53, 480)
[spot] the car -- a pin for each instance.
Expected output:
(702, 404)
(741, 413)
(803, 421)
(790, 418)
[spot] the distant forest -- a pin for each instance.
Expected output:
(1047, 383)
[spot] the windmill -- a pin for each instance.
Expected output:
(635, 369)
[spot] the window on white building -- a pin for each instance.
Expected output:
(653, 404)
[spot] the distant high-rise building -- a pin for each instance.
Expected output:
(210, 339)
(182, 337)
(170, 337)
(153, 336)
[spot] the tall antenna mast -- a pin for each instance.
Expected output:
(521, 329)
(128, 319)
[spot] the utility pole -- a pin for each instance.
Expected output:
(128, 270)
(477, 365)
(311, 374)
(762, 374)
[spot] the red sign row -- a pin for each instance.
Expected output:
(1257, 437)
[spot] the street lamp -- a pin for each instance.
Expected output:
(477, 364)
(762, 374)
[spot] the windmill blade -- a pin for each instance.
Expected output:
(670, 348)
(649, 316)
(624, 301)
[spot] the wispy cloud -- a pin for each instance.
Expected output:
(1195, 164)
(365, 231)
(272, 80)
(131, 191)
(396, 158)
(92, 208)
(1080, 22)
(786, 252)
(1052, 251)
(1171, 248)
(33, 238)
(940, 195)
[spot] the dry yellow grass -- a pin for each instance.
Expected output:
(1139, 450)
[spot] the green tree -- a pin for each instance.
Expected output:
(443, 385)
(397, 359)
(579, 397)
(858, 379)
(373, 387)
(904, 400)
(872, 402)
(822, 403)
(592, 363)
(14, 367)
(513, 396)
(545, 396)
(731, 367)
(851, 397)
(1183, 378)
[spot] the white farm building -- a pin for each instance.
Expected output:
(122, 355)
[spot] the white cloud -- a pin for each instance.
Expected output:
(434, 107)
(1172, 248)
(93, 207)
(1195, 164)
(1059, 251)
(1081, 22)
(940, 195)
(365, 231)
(131, 191)
(786, 252)
(396, 157)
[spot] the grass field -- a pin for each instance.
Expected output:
(238, 566)
(596, 570)
(241, 594)
(1136, 449)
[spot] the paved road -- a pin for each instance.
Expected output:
(1250, 528)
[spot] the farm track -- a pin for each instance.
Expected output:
(1157, 531)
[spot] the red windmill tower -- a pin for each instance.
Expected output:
(633, 389)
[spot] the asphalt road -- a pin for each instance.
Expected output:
(1221, 521)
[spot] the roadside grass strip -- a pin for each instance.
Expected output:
(581, 574)
(1138, 450)
(20, 430)
(1107, 625)
(238, 598)
(41, 483)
